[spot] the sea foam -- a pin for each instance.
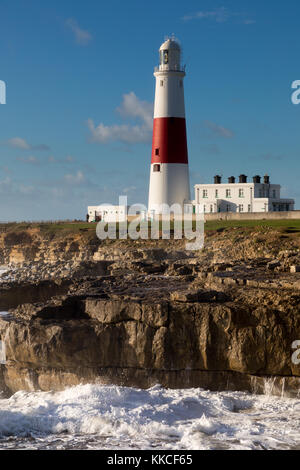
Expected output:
(113, 417)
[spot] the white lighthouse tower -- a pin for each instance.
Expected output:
(169, 176)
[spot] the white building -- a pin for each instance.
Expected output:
(241, 197)
(107, 213)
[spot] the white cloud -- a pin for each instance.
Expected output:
(131, 107)
(124, 133)
(5, 184)
(219, 15)
(271, 156)
(67, 160)
(82, 36)
(5, 169)
(129, 189)
(26, 189)
(219, 131)
(77, 178)
(58, 192)
(19, 143)
(31, 160)
(41, 147)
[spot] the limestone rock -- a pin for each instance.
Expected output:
(295, 269)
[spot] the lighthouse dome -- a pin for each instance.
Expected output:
(170, 44)
(169, 55)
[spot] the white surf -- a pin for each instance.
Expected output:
(114, 417)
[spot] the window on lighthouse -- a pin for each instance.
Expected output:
(156, 168)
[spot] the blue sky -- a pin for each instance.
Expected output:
(76, 128)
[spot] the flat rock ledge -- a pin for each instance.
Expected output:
(142, 328)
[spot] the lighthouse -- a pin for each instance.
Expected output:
(169, 174)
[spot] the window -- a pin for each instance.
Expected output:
(205, 193)
(204, 208)
(165, 57)
(156, 168)
(211, 208)
(249, 207)
(228, 192)
(241, 193)
(228, 207)
(161, 83)
(156, 151)
(241, 208)
(217, 193)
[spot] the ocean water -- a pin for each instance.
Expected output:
(114, 417)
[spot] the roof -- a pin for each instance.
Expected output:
(170, 44)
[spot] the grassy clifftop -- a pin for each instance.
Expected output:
(243, 238)
(81, 227)
(225, 241)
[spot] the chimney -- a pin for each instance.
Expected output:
(231, 180)
(218, 179)
(243, 179)
(266, 179)
(256, 179)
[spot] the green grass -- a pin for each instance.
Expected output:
(75, 227)
(61, 228)
(51, 228)
(285, 225)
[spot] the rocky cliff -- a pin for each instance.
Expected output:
(139, 313)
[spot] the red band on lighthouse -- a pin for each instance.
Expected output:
(169, 144)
